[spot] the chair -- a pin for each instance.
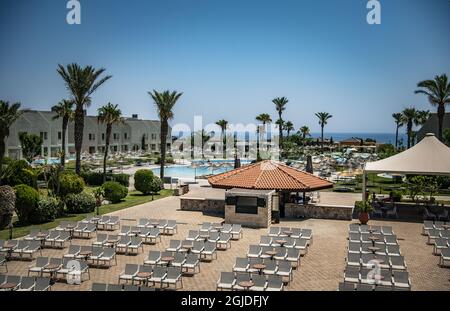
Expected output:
(26, 284)
(38, 266)
(173, 277)
(285, 270)
(101, 239)
(293, 256)
(159, 273)
(171, 227)
(445, 256)
(236, 232)
(274, 231)
(224, 241)
(209, 252)
(73, 251)
(99, 287)
(427, 225)
(401, 279)
(259, 283)
(42, 284)
(174, 246)
(254, 251)
(153, 258)
(241, 277)
(354, 259)
(241, 265)
(129, 273)
(192, 235)
(192, 262)
(351, 274)
(274, 283)
(346, 287)
(125, 231)
(225, 281)
(109, 254)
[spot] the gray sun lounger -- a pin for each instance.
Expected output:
(226, 281)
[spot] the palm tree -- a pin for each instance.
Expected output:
(288, 127)
(410, 118)
(280, 106)
(63, 110)
(438, 92)
(264, 118)
(323, 120)
(8, 115)
(108, 115)
(398, 117)
(81, 83)
(164, 102)
(305, 131)
(223, 126)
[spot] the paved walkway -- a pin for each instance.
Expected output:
(321, 269)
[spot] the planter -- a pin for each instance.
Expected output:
(364, 218)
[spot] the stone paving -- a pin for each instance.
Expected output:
(321, 269)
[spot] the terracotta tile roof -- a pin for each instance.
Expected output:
(268, 175)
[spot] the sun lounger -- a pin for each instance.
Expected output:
(290, 242)
(241, 265)
(33, 247)
(171, 227)
(153, 258)
(32, 235)
(351, 274)
(26, 284)
(224, 241)
(265, 240)
(271, 267)
(179, 260)
(153, 235)
(129, 273)
(285, 270)
(259, 283)
(205, 227)
(73, 251)
(113, 223)
(122, 245)
(143, 222)
(226, 228)
(54, 265)
(109, 254)
(354, 259)
(142, 268)
(125, 231)
(302, 245)
(274, 231)
(99, 287)
(135, 245)
(427, 225)
(439, 245)
(252, 262)
(354, 247)
(364, 287)
(401, 279)
(296, 233)
(398, 263)
(79, 229)
(213, 236)
(192, 235)
(236, 232)
(3, 262)
(346, 287)
(262, 252)
(162, 224)
(241, 277)
(445, 256)
(254, 251)
(174, 246)
(101, 239)
(281, 253)
(226, 281)
(198, 247)
(51, 238)
(209, 252)
(159, 273)
(38, 266)
(42, 284)
(393, 250)
(22, 245)
(274, 283)
(173, 277)
(192, 262)
(354, 237)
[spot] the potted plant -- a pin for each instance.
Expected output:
(364, 208)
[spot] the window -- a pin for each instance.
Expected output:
(125, 135)
(153, 146)
(91, 136)
(153, 136)
(59, 135)
(43, 135)
(246, 205)
(116, 136)
(103, 136)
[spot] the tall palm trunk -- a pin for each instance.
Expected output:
(224, 144)
(322, 138)
(409, 133)
(440, 114)
(396, 137)
(280, 131)
(164, 130)
(63, 151)
(105, 156)
(79, 126)
(258, 157)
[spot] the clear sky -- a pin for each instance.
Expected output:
(232, 57)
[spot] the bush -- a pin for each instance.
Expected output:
(70, 184)
(169, 160)
(21, 173)
(397, 195)
(143, 180)
(96, 179)
(45, 211)
(26, 202)
(114, 192)
(80, 203)
(7, 204)
(123, 179)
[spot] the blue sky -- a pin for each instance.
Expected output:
(231, 58)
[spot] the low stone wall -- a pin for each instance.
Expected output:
(319, 211)
(207, 206)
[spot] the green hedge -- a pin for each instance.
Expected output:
(7, 205)
(46, 210)
(96, 179)
(114, 192)
(70, 184)
(26, 202)
(146, 182)
(80, 203)
(21, 173)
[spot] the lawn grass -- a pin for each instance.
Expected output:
(134, 198)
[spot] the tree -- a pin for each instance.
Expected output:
(264, 118)
(438, 92)
(223, 126)
(280, 106)
(288, 127)
(8, 115)
(446, 136)
(81, 83)
(31, 145)
(398, 118)
(108, 115)
(64, 110)
(305, 131)
(203, 137)
(164, 102)
(323, 120)
(410, 118)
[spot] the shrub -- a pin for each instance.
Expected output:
(114, 192)
(26, 202)
(123, 179)
(169, 160)
(46, 210)
(397, 195)
(7, 204)
(70, 184)
(143, 180)
(21, 173)
(80, 203)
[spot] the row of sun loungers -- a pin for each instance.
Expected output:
(283, 232)
(3, 262)
(168, 227)
(374, 260)
(149, 235)
(56, 268)
(24, 283)
(52, 238)
(234, 229)
(108, 223)
(282, 268)
(189, 263)
(231, 281)
(438, 235)
(19, 249)
(94, 255)
(102, 287)
(164, 276)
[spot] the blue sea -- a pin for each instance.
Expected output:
(385, 138)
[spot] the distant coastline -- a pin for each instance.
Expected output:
(385, 138)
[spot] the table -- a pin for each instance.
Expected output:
(86, 254)
(288, 232)
(51, 268)
(260, 267)
(145, 276)
(218, 228)
(7, 286)
(271, 254)
(169, 259)
(154, 224)
(374, 249)
(204, 236)
(111, 243)
(136, 232)
(373, 239)
(187, 247)
(246, 284)
(379, 260)
(446, 227)
(281, 242)
(70, 228)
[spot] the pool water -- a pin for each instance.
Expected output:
(189, 172)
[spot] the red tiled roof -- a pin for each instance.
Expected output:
(269, 175)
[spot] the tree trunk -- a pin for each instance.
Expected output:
(164, 129)
(441, 114)
(79, 125)
(2, 153)
(105, 156)
(322, 138)
(409, 130)
(396, 138)
(258, 157)
(280, 130)
(63, 145)
(224, 144)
